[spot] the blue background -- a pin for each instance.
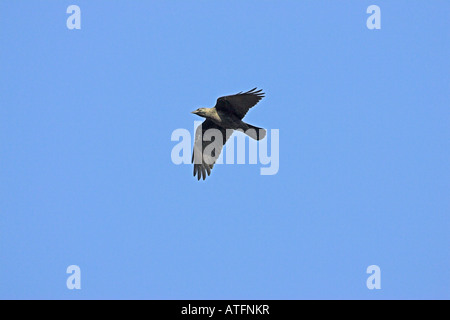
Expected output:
(86, 176)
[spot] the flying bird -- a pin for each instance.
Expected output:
(225, 117)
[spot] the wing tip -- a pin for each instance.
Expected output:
(256, 92)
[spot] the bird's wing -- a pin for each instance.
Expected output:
(204, 161)
(240, 103)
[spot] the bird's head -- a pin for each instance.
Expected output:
(202, 112)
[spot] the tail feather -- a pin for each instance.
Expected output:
(255, 132)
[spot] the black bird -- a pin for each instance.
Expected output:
(226, 116)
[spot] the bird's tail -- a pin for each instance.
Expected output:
(255, 132)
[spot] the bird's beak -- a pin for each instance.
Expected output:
(194, 112)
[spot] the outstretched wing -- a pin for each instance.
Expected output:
(215, 137)
(240, 103)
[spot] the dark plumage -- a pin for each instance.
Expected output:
(226, 114)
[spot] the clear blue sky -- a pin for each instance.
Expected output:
(87, 179)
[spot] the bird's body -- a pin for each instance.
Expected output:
(225, 117)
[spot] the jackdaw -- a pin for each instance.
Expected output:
(221, 121)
